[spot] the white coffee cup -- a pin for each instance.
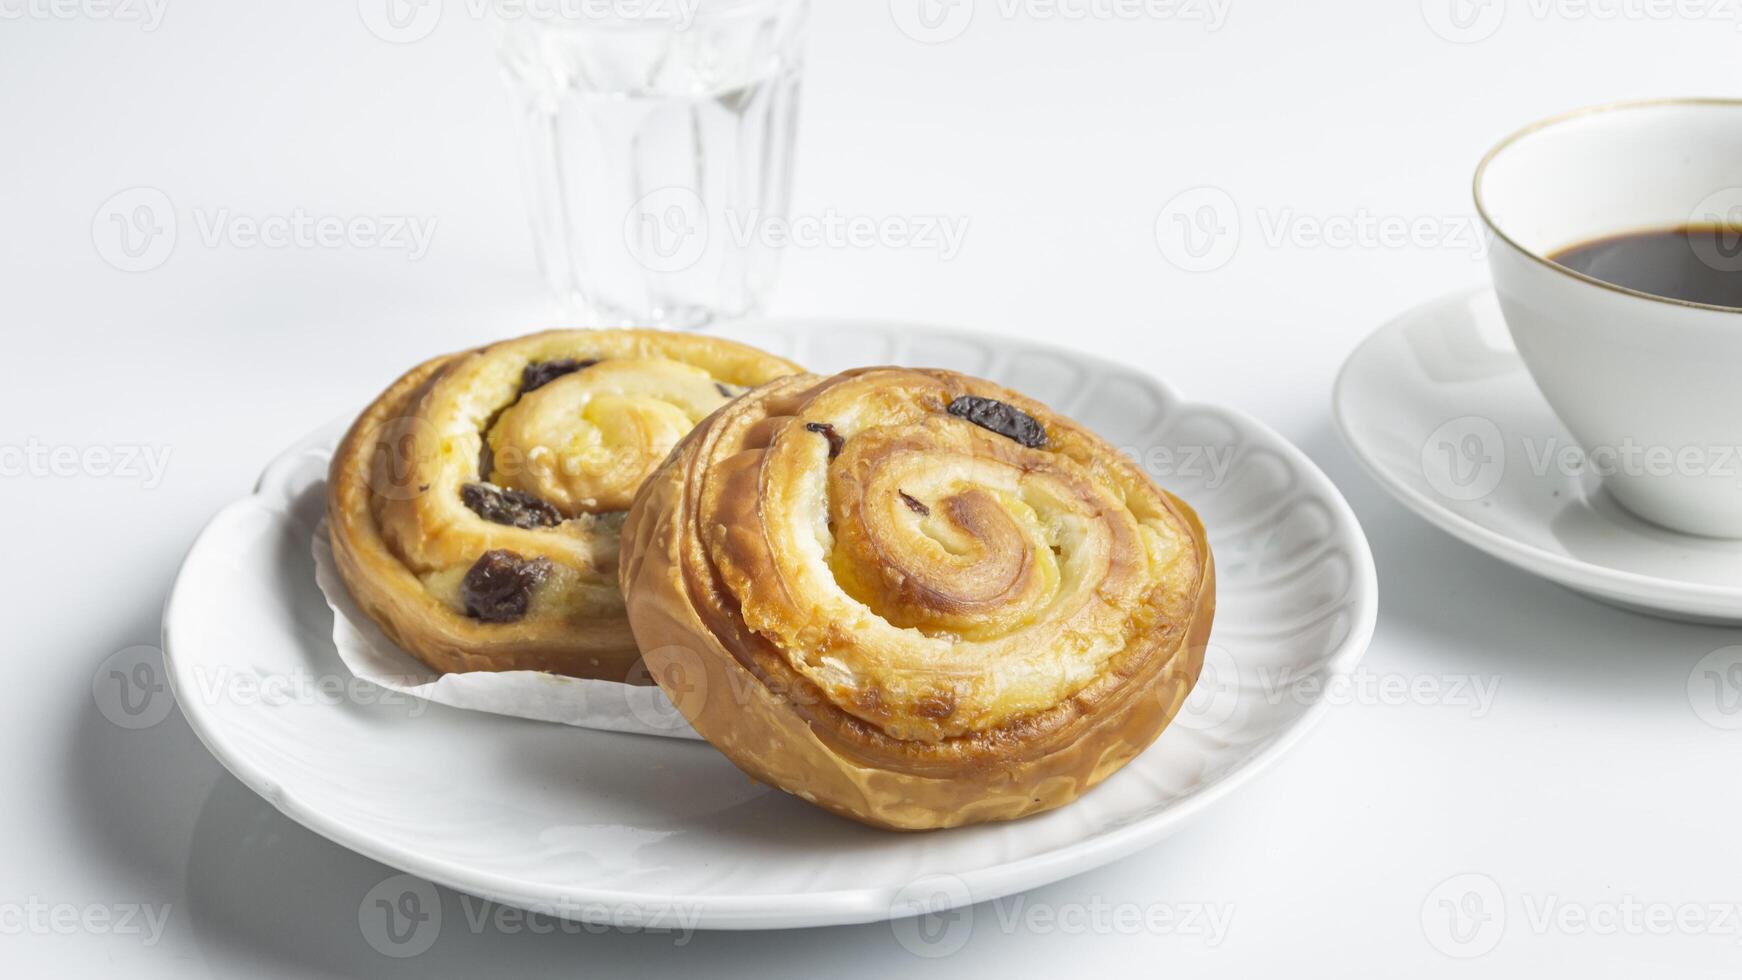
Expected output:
(1651, 387)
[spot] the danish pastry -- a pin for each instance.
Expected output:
(915, 598)
(475, 507)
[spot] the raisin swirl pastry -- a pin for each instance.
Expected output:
(915, 598)
(475, 507)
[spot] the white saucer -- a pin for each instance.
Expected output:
(1439, 408)
(625, 829)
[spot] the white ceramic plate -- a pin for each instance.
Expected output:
(1440, 409)
(630, 829)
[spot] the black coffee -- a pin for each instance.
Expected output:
(1696, 263)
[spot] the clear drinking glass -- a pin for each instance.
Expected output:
(659, 137)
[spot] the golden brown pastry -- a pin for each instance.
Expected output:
(475, 506)
(915, 598)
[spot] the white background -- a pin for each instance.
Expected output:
(1590, 780)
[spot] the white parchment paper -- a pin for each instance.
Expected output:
(370, 655)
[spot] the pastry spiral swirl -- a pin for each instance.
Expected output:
(915, 598)
(475, 507)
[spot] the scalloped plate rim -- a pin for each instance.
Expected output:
(842, 906)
